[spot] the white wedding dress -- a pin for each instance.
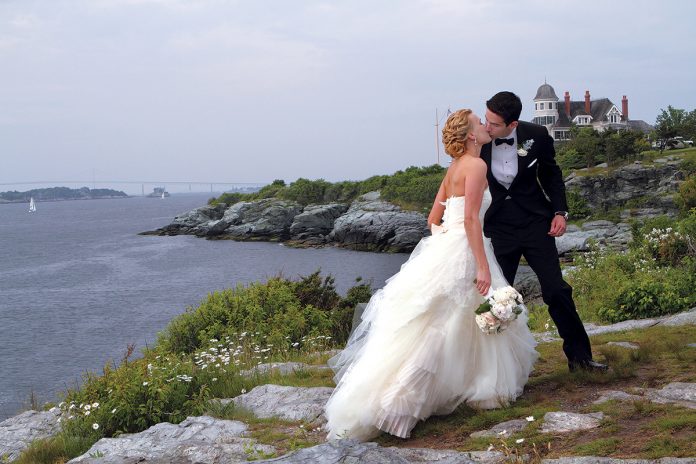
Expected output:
(418, 351)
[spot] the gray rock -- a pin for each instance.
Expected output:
(627, 345)
(379, 226)
(593, 329)
(316, 221)
(17, 432)
(691, 345)
(614, 189)
(685, 318)
(190, 221)
(503, 430)
(679, 393)
(265, 219)
(289, 403)
(608, 395)
(527, 283)
(559, 422)
(352, 452)
(285, 368)
(195, 440)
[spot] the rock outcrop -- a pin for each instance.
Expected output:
(195, 440)
(17, 432)
(653, 184)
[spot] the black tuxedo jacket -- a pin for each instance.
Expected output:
(538, 188)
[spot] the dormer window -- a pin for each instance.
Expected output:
(541, 106)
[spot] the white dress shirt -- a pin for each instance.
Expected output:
(504, 160)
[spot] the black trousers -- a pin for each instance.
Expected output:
(529, 238)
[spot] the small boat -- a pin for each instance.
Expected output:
(163, 195)
(32, 205)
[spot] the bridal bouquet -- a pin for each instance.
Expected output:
(502, 306)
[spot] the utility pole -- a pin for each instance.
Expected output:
(437, 138)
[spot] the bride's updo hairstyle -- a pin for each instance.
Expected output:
(454, 133)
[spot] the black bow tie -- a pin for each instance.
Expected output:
(509, 141)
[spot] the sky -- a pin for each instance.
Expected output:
(251, 91)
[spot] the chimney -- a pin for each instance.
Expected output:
(587, 101)
(624, 107)
(567, 104)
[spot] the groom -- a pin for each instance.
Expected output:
(527, 212)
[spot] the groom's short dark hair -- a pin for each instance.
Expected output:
(507, 105)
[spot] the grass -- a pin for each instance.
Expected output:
(631, 429)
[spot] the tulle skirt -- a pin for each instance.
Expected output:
(418, 351)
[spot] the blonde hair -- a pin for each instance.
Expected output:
(455, 132)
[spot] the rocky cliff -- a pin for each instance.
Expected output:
(371, 224)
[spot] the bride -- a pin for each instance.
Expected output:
(418, 350)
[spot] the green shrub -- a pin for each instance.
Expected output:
(577, 205)
(686, 198)
(643, 300)
(279, 309)
(305, 191)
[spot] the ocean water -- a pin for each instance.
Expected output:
(78, 285)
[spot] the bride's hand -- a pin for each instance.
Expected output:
(483, 281)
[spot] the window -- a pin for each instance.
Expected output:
(561, 135)
(536, 106)
(541, 106)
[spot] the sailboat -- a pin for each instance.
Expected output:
(163, 195)
(32, 205)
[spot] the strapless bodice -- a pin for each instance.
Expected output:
(454, 210)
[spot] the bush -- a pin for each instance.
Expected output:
(577, 205)
(686, 198)
(305, 191)
(279, 310)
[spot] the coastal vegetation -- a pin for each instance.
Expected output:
(59, 193)
(413, 188)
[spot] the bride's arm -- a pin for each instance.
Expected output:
(474, 187)
(438, 209)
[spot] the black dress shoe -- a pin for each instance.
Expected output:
(588, 365)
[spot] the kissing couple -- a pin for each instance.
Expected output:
(420, 349)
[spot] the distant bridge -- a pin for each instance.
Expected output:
(193, 186)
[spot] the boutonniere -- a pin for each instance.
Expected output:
(523, 148)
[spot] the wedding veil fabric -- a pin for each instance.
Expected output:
(418, 352)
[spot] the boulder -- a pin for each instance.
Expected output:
(289, 403)
(375, 225)
(350, 451)
(17, 432)
(190, 221)
(267, 219)
(560, 422)
(316, 221)
(633, 181)
(195, 440)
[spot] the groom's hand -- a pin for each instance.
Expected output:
(558, 226)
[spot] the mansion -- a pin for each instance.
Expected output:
(599, 114)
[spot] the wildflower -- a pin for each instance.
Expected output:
(95, 405)
(88, 407)
(214, 379)
(530, 418)
(490, 447)
(519, 440)
(503, 432)
(95, 426)
(243, 390)
(145, 384)
(113, 411)
(87, 413)
(72, 406)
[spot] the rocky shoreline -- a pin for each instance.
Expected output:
(372, 224)
(205, 439)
